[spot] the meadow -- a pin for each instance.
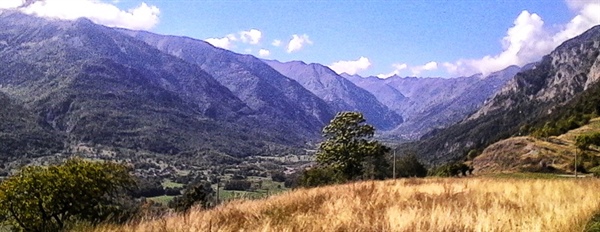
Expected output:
(431, 204)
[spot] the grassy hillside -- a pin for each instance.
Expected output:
(467, 204)
(526, 153)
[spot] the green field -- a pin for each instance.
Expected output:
(167, 183)
(164, 200)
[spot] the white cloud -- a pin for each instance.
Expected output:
(528, 40)
(588, 16)
(579, 4)
(426, 67)
(397, 69)
(11, 4)
(225, 42)
(297, 42)
(143, 17)
(264, 52)
(252, 36)
(276, 43)
(351, 66)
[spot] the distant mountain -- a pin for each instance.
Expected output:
(97, 85)
(385, 93)
(562, 84)
(340, 93)
(281, 101)
(432, 103)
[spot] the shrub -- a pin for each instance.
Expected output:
(318, 176)
(239, 185)
(278, 176)
(196, 194)
(53, 198)
(409, 166)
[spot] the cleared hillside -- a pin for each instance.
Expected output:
(526, 153)
(467, 204)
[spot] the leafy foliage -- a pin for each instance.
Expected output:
(196, 194)
(347, 146)
(239, 185)
(562, 125)
(451, 169)
(21, 135)
(52, 198)
(409, 166)
(584, 141)
(318, 176)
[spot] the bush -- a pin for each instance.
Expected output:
(148, 187)
(595, 171)
(196, 194)
(278, 176)
(451, 169)
(176, 191)
(291, 180)
(239, 185)
(53, 198)
(318, 176)
(584, 141)
(409, 166)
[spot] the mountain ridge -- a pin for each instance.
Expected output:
(99, 86)
(432, 103)
(257, 84)
(556, 83)
(339, 92)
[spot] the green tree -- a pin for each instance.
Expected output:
(196, 194)
(318, 176)
(409, 166)
(348, 146)
(52, 198)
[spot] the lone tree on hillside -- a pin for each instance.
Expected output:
(52, 198)
(349, 145)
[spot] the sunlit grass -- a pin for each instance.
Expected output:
(167, 183)
(467, 204)
(164, 200)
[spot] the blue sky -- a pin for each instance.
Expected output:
(405, 37)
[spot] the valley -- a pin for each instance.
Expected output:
(241, 143)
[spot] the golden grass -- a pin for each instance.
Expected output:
(468, 204)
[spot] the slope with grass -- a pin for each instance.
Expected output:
(526, 153)
(467, 204)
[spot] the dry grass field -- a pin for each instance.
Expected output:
(450, 204)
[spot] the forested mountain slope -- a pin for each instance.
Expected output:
(96, 85)
(277, 99)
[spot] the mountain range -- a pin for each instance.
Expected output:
(563, 86)
(66, 83)
(339, 92)
(432, 103)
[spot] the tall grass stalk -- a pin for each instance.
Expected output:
(467, 204)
